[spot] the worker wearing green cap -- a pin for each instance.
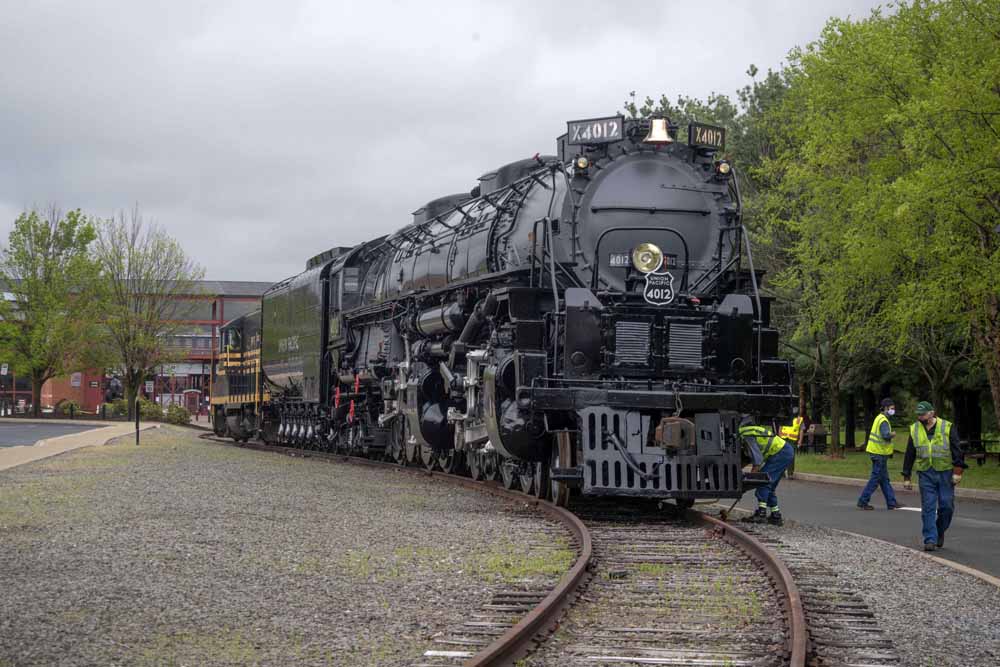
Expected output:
(934, 449)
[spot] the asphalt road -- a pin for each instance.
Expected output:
(12, 435)
(973, 538)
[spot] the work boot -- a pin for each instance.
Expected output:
(929, 546)
(940, 542)
(866, 506)
(760, 516)
(775, 519)
(896, 506)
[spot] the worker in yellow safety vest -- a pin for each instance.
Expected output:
(769, 454)
(880, 450)
(791, 433)
(936, 452)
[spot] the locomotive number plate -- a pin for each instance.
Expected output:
(594, 130)
(706, 136)
(659, 289)
(620, 259)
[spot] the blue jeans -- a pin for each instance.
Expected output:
(937, 503)
(879, 479)
(775, 468)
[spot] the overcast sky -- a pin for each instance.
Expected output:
(261, 133)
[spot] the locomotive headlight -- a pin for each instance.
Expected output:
(582, 162)
(724, 168)
(647, 257)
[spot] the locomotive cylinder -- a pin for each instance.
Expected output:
(442, 319)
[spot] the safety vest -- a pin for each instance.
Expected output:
(932, 452)
(768, 442)
(792, 432)
(876, 445)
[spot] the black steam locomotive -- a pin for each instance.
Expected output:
(579, 321)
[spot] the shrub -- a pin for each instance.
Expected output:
(177, 414)
(66, 407)
(149, 411)
(118, 408)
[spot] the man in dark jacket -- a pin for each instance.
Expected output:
(934, 449)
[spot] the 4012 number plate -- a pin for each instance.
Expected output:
(594, 130)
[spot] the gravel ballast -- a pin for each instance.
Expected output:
(935, 615)
(186, 552)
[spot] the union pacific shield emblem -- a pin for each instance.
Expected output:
(659, 289)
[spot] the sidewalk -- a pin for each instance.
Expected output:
(21, 454)
(978, 494)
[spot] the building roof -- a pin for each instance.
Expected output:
(233, 287)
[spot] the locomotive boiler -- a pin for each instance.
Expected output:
(582, 322)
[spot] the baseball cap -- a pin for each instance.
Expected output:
(923, 407)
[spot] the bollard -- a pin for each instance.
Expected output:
(71, 410)
(136, 421)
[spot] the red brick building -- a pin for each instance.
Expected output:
(186, 382)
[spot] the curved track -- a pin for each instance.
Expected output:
(640, 553)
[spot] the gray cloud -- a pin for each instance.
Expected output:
(262, 133)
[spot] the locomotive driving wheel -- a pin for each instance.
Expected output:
(411, 448)
(541, 481)
(508, 474)
(428, 457)
(397, 441)
(526, 477)
(476, 465)
(491, 466)
(451, 462)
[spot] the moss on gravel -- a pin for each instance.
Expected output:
(181, 551)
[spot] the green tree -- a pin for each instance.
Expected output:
(147, 281)
(49, 323)
(889, 180)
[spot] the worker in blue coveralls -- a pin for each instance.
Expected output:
(935, 451)
(769, 454)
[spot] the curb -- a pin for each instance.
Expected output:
(149, 426)
(79, 422)
(958, 567)
(975, 494)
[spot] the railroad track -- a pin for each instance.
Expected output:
(843, 630)
(663, 590)
(669, 590)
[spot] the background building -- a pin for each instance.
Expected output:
(186, 382)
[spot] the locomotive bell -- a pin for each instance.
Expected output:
(658, 133)
(647, 257)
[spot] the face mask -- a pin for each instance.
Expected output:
(890, 411)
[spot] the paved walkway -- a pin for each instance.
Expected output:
(973, 539)
(18, 433)
(51, 442)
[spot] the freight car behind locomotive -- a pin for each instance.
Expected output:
(577, 321)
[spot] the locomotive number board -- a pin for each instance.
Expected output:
(594, 130)
(706, 136)
(624, 260)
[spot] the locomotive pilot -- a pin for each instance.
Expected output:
(771, 455)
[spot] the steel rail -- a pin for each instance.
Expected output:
(516, 641)
(798, 643)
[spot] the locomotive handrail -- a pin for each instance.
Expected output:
(597, 250)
